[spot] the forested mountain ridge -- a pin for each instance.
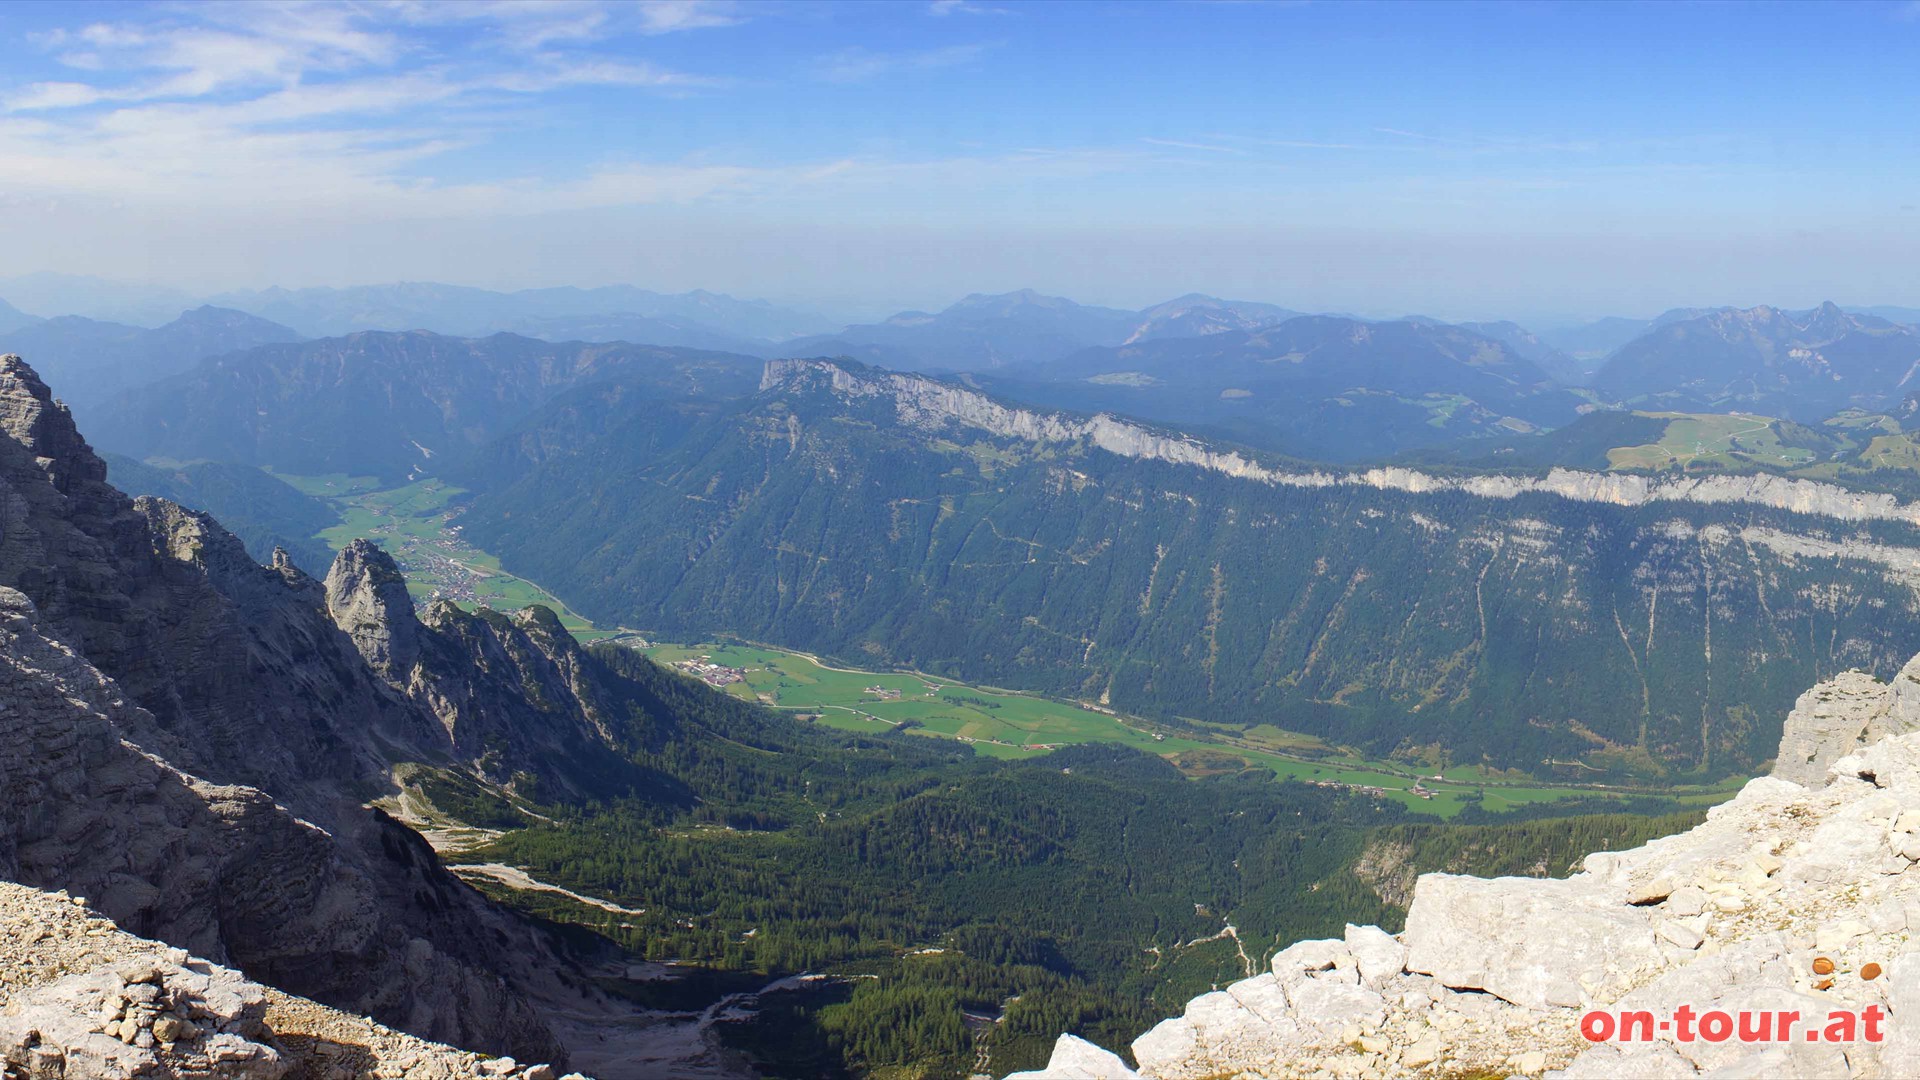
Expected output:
(1315, 386)
(1465, 617)
(91, 361)
(1804, 365)
(389, 404)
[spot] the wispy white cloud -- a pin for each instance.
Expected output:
(669, 16)
(1290, 144)
(1212, 149)
(303, 104)
(944, 8)
(1496, 143)
(1423, 137)
(855, 64)
(534, 24)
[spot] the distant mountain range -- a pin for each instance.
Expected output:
(388, 404)
(1558, 363)
(1314, 386)
(1803, 365)
(93, 360)
(1324, 387)
(12, 318)
(1592, 341)
(133, 303)
(979, 333)
(469, 312)
(1195, 315)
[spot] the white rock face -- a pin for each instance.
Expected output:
(1535, 943)
(1077, 1059)
(925, 401)
(1495, 974)
(1844, 714)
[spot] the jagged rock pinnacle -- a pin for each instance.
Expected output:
(30, 416)
(367, 598)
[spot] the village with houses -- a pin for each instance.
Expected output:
(718, 676)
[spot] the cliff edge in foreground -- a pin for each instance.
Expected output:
(1492, 977)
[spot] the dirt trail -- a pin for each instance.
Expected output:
(516, 878)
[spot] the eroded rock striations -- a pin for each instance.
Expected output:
(1491, 977)
(194, 741)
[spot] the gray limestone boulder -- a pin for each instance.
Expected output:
(1536, 943)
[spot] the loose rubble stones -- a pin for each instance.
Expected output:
(81, 1000)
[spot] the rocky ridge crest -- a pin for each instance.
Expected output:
(514, 697)
(201, 740)
(1490, 977)
(928, 402)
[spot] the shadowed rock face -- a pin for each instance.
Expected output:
(223, 871)
(172, 706)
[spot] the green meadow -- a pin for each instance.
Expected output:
(1003, 723)
(416, 524)
(1706, 439)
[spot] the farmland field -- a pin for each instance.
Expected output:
(1706, 439)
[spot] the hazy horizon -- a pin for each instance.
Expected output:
(1533, 162)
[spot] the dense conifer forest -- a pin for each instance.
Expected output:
(969, 906)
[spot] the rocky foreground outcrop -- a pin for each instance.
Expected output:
(1491, 977)
(194, 740)
(82, 1000)
(1849, 712)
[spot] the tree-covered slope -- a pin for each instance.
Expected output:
(388, 404)
(835, 515)
(1088, 890)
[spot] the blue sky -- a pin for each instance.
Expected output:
(1462, 160)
